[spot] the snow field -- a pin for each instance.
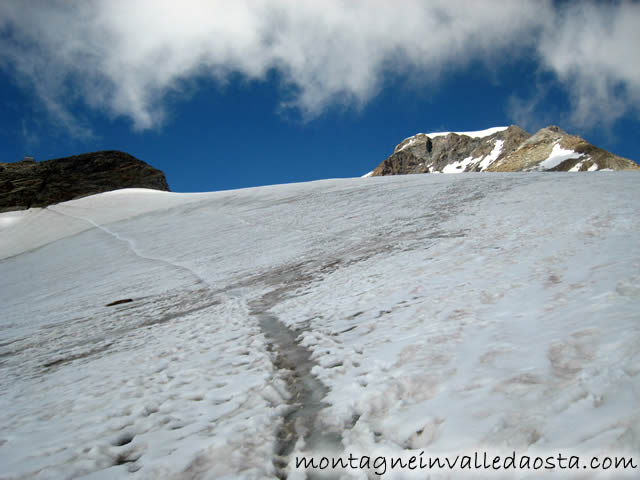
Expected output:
(514, 336)
(142, 388)
(443, 313)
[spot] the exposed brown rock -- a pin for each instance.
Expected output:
(520, 151)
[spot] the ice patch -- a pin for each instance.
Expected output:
(408, 144)
(576, 167)
(493, 156)
(557, 156)
(458, 167)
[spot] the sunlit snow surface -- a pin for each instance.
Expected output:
(443, 313)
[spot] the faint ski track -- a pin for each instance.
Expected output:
(131, 244)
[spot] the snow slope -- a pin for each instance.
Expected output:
(441, 314)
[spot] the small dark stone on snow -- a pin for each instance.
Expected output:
(118, 302)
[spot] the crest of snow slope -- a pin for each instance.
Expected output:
(443, 313)
(38, 226)
(474, 134)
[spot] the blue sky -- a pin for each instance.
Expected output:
(225, 95)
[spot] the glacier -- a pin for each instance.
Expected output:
(386, 315)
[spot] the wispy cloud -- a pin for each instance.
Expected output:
(30, 137)
(123, 56)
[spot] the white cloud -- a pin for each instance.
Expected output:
(593, 50)
(124, 56)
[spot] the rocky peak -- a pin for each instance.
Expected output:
(498, 149)
(26, 184)
(555, 129)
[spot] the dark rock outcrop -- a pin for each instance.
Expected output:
(507, 150)
(27, 184)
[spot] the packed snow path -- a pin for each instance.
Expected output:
(305, 393)
(442, 314)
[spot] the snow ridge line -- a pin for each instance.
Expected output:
(131, 244)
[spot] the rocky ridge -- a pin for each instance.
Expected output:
(501, 149)
(27, 183)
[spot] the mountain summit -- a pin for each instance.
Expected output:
(498, 149)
